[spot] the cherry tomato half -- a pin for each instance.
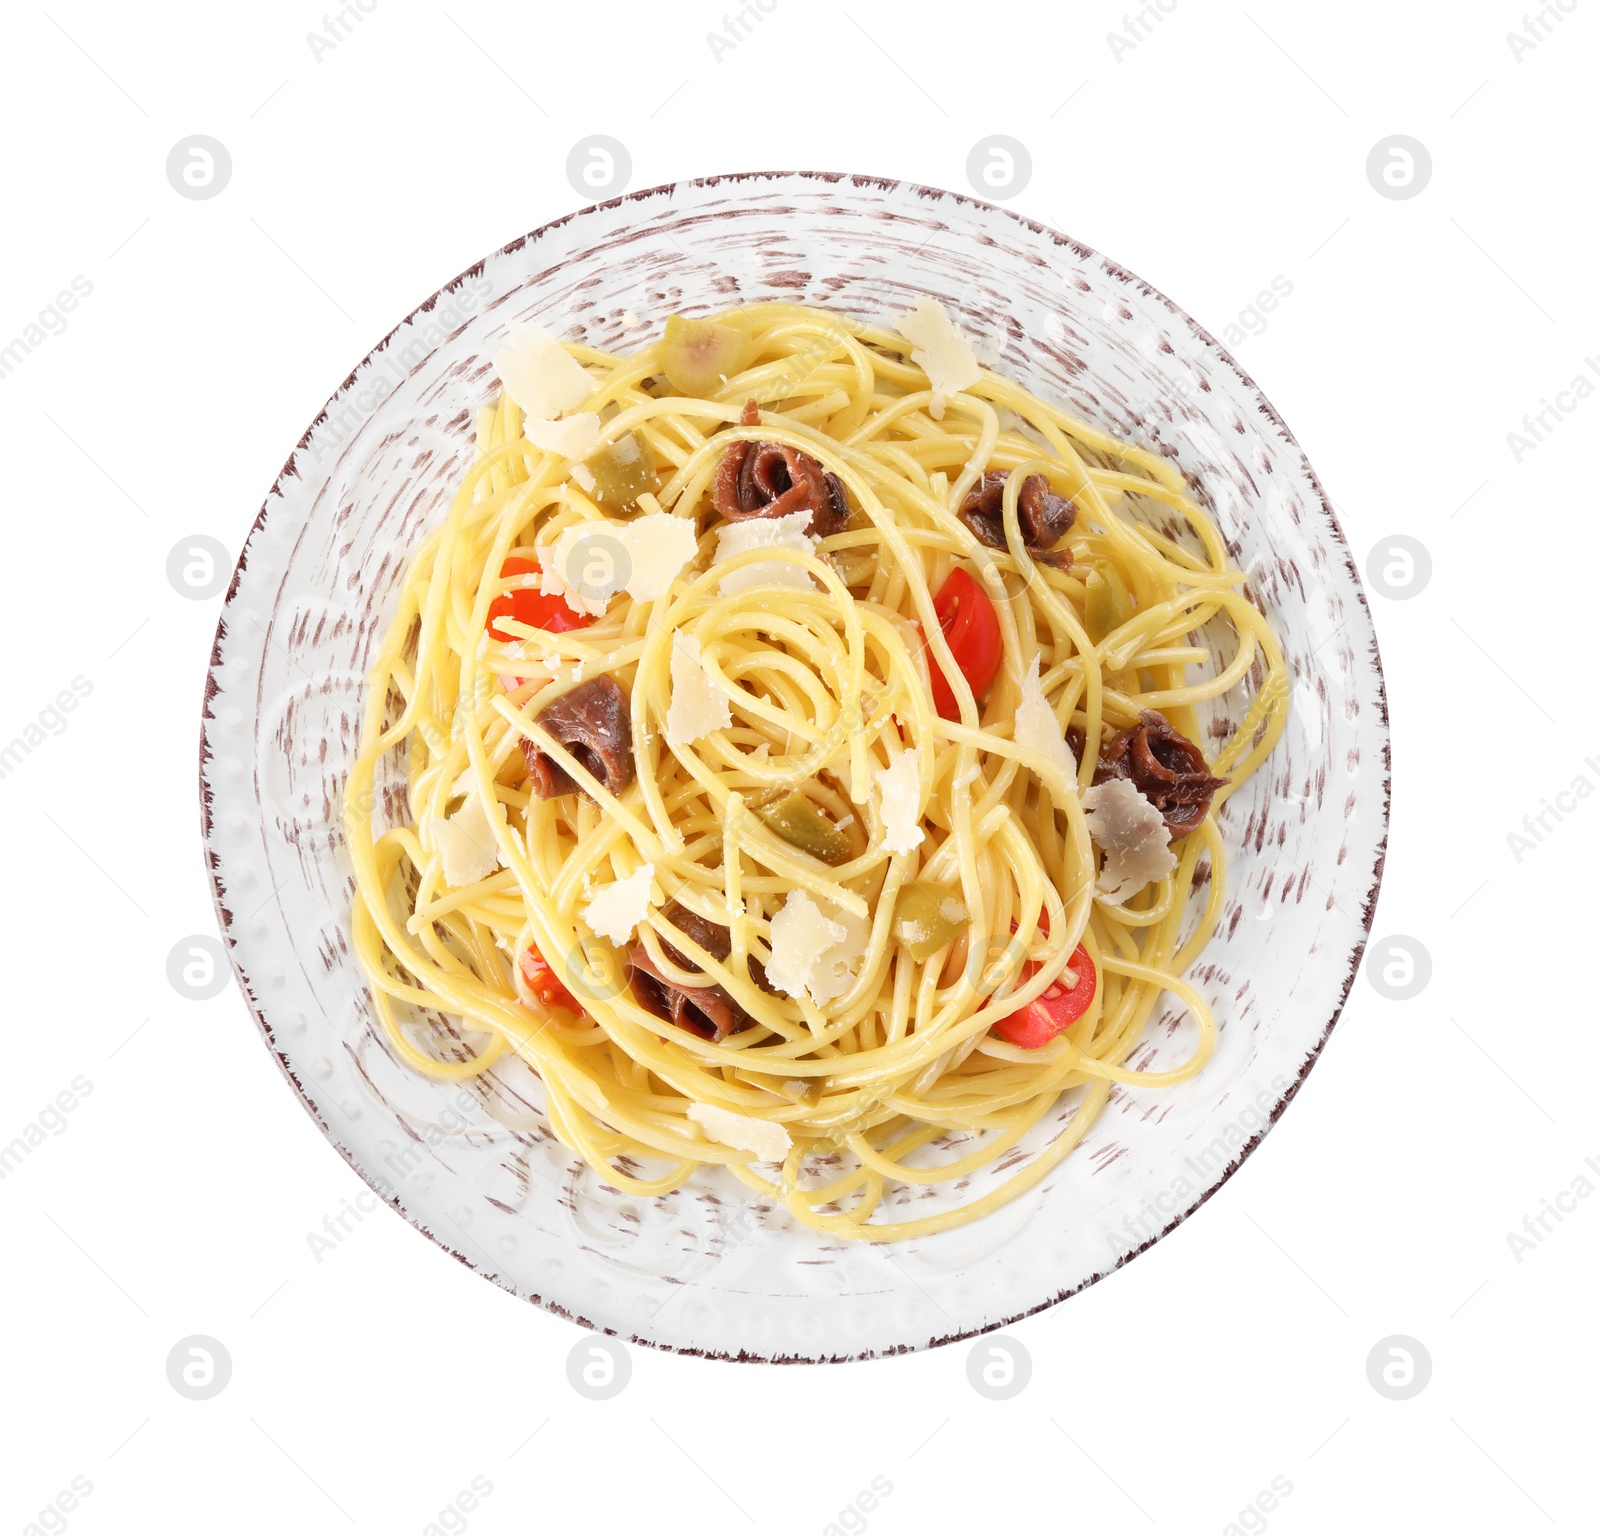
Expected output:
(972, 629)
(543, 982)
(528, 605)
(1039, 1022)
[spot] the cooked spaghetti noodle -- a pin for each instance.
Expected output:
(827, 658)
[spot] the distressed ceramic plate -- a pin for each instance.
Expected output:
(476, 1167)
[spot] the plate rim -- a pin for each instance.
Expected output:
(886, 184)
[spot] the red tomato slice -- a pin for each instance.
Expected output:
(972, 629)
(528, 605)
(1039, 1022)
(543, 982)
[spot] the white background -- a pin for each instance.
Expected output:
(371, 1386)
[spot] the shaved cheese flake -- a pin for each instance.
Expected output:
(591, 562)
(1036, 727)
(1132, 834)
(599, 578)
(765, 533)
(660, 545)
(800, 936)
(939, 350)
(899, 801)
(618, 908)
(583, 476)
(466, 844)
(834, 972)
(540, 374)
(571, 438)
(698, 706)
(768, 1140)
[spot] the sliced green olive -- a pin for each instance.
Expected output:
(1108, 605)
(927, 917)
(796, 820)
(699, 356)
(623, 471)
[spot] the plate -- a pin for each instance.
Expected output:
(704, 1270)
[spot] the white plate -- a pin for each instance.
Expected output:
(476, 1168)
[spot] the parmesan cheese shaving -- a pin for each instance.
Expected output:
(591, 562)
(899, 801)
(571, 438)
(1036, 727)
(618, 908)
(800, 935)
(540, 374)
(834, 971)
(660, 545)
(939, 350)
(812, 953)
(466, 844)
(1134, 838)
(765, 533)
(768, 1140)
(698, 705)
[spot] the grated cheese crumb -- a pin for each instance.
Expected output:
(899, 801)
(1036, 727)
(765, 533)
(768, 1140)
(466, 843)
(617, 909)
(1134, 838)
(939, 350)
(698, 705)
(540, 374)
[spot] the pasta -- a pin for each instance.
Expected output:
(700, 759)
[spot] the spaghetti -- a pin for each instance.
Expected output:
(713, 944)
